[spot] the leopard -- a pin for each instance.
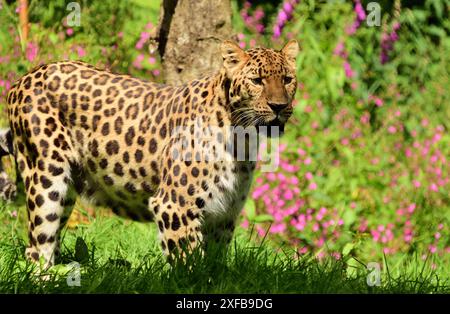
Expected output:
(114, 140)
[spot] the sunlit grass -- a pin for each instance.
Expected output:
(124, 257)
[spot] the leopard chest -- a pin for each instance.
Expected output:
(229, 191)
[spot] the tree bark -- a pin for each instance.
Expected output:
(190, 33)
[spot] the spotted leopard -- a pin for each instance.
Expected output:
(111, 138)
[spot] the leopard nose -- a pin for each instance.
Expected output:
(277, 108)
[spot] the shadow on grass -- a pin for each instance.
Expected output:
(243, 268)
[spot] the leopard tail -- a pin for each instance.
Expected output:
(8, 188)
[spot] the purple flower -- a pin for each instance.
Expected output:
(284, 15)
(387, 42)
(384, 57)
(253, 21)
(396, 26)
(360, 13)
(288, 8)
(276, 31)
(360, 16)
(393, 37)
(260, 28)
(259, 14)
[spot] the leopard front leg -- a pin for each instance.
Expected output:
(179, 223)
(177, 206)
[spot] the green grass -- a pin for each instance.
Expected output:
(119, 256)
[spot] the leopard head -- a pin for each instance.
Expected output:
(262, 84)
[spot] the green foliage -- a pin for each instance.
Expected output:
(371, 140)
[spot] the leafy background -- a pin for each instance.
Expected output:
(365, 161)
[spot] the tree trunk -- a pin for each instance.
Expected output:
(23, 20)
(190, 33)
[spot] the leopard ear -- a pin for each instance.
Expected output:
(290, 51)
(233, 57)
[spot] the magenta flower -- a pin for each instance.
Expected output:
(360, 17)
(284, 15)
(378, 102)
(432, 248)
(31, 51)
(387, 43)
(81, 52)
(142, 40)
(137, 63)
(396, 26)
(392, 129)
(288, 195)
(360, 13)
(278, 228)
(253, 21)
(276, 31)
(260, 28)
(348, 70)
(433, 187)
(339, 50)
(139, 45)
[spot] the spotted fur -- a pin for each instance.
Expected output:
(109, 137)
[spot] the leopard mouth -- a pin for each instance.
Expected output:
(272, 128)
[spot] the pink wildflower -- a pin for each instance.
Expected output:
(81, 52)
(31, 51)
(348, 70)
(432, 249)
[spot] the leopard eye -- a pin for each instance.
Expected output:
(287, 80)
(257, 81)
